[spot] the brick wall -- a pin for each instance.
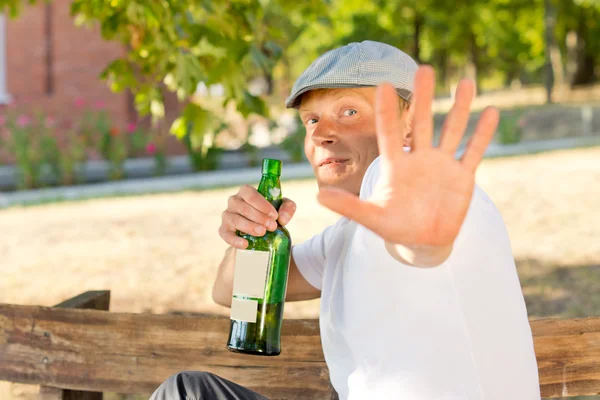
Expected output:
(79, 55)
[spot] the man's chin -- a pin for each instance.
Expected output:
(345, 180)
(337, 184)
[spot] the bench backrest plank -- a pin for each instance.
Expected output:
(133, 353)
(568, 356)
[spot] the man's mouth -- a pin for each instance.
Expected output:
(332, 161)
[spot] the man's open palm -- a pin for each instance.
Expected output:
(421, 197)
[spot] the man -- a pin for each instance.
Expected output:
(420, 298)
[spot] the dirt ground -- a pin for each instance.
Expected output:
(160, 253)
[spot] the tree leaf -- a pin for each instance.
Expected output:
(252, 104)
(194, 121)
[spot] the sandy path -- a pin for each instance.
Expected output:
(160, 252)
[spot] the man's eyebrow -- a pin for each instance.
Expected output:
(355, 94)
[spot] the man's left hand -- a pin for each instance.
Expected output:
(422, 197)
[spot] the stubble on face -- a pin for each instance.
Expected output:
(341, 140)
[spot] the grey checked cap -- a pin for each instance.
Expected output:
(356, 65)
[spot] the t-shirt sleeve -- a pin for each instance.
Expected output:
(310, 255)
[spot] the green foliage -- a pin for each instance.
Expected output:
(175, 45)
(25, 143)
(178, 44)
(113, 147)
(67, 166)
(510, 127)
(47, 151)
(293, 144)
(40, 154)
(202, 157)
(14, 7)
(197, 128)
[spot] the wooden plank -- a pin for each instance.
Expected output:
(133, 353)
(568, 356)
(92, 300)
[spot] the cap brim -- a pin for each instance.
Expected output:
(294, 100)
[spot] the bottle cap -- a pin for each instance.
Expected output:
(271, 167)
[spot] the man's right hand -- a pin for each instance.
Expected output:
(249, 212)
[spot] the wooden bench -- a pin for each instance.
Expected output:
(76, 350)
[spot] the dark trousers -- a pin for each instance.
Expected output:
(196, 385)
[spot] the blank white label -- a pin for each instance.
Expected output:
(244, 310)
(250, 274)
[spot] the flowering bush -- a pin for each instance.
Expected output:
(24, 142)
(45, 149)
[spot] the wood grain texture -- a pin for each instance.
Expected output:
(94, 300)
(134, 353)
(568, 356)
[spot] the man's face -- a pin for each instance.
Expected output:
(340, 141)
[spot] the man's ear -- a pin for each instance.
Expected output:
(407, 128)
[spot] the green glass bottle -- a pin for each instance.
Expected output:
(260, 279)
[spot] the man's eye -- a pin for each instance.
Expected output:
(350, 112)
(311, 121)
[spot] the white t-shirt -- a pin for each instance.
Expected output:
(393, 331)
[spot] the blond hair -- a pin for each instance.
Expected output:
(403, 104)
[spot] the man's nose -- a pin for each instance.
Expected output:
(325, 133)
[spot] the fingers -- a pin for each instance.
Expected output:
(456, 122)
(350, 206)
(387, 122)
(423, 100)
(232, 239)
(238, 206)
(251, 196)
(484, 131)
(249, 212)
(286, 211)
(238, 222)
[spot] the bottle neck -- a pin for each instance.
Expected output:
(270, 188)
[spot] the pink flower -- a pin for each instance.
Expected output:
(522, 122)
(50, 122)
(2, 120)
(131, 127)
(99, 105)
(79, 102)
(23, 121)
(151, 148)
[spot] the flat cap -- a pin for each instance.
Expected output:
(357, 65)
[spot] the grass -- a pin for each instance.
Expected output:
(563, 291)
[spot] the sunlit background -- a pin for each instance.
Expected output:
(125, 125)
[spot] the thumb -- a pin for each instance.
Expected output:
(286, 211)
(351, 206)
